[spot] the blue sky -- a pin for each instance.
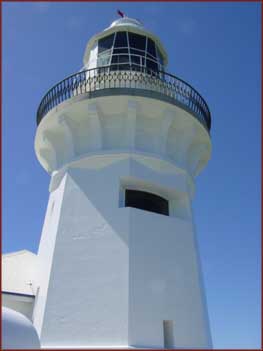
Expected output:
(213, 46)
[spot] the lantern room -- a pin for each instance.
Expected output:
(126, 45)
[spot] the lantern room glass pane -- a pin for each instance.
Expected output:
(120, 51)
(159, 56)
(151, 65)
(121, 40)
(123, 58)
(103, 60)
(137, 41)
(120, 63)
(106, 43)
(137, 52)
(136, 62)
(135, 59)
(151, 47)
(114, 59)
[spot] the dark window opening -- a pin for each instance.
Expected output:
(106, 43)
(146, 201)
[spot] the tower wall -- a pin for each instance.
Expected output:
(112, 274)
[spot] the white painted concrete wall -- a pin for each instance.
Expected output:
(110, 275)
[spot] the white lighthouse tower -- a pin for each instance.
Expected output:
(122, 141)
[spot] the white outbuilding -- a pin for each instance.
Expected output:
(19, 281)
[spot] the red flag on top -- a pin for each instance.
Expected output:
(120, 13)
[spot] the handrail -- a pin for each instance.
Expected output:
(126, 76)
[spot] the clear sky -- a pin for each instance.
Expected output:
(213, 46)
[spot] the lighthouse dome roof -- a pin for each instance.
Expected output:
(17, 331)
(126, 21)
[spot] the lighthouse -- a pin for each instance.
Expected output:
(122, 140)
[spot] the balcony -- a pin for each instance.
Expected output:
(130, 80)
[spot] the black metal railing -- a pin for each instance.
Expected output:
(126, 76)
